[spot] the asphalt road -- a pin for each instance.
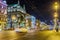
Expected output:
(39, 35)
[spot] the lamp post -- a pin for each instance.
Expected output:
(55, 15)
(55, 20)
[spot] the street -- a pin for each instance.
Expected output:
(10, 35)
(39, 35)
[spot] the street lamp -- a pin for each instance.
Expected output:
(56, 6)
(55, 19)
(55, 14)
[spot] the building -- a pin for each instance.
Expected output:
(3, 13)
(38, 24)
(30, 21)
(3, 7)
(16, 15)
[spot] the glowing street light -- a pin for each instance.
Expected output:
(56, 5)
(55, 15)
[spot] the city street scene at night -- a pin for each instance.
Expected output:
(29, 19)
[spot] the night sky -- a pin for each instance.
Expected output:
(41, 9)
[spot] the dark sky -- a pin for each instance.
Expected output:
(41, 9)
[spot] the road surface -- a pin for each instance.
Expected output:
(39, 35)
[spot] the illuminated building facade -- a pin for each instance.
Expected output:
(16, 15)
(3, 7)
(3, 13)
